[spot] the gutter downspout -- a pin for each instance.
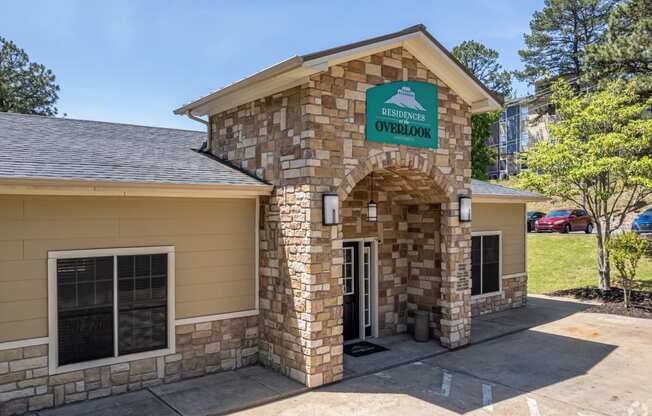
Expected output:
(208, 129)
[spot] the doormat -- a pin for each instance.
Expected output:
(362, 348)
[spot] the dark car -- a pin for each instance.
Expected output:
(565, 221)
(643, 223)
(532, 217)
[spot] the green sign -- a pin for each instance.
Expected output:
(403, 113)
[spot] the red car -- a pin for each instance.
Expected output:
(565, 221)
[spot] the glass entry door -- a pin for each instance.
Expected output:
(358, 279)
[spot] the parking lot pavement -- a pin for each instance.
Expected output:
(581, 364)
(547, 359)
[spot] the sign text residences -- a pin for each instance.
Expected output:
(403, 113)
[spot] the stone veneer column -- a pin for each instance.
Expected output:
(301, 298)
(455, 301)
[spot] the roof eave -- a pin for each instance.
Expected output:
(270, 72)
(68, 187)
(493, 198)
(301, 67)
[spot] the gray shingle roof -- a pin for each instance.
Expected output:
(38, 147)
(481, 188)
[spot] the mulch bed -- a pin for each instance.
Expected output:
(611, 301)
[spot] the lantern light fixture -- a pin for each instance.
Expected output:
(465, 208)
(372, 207)
(372, 211)
(330, 209)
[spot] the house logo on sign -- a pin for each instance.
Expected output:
(403, 112)
(405, 98)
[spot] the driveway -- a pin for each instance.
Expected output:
(550, 358)
(581, 364)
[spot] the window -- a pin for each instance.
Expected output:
(485, 264)
(110, 304)
(348, 272)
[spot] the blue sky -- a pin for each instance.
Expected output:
(135, 61)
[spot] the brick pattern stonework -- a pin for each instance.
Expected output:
(407, 231)
(309, 140)
(514, 295)
(201, 348)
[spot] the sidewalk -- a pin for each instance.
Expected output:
(252, 386)
(209, 395)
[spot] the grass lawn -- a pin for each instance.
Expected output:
(558, 262)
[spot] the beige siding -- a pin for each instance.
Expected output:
(510, 220)
(214, 241)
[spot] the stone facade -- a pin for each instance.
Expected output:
(201, 348)
(407, 231)
(309, 140)
(514, 295)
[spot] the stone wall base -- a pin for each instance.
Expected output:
(201, 348)
(513, 295)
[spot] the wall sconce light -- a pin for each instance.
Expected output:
(372, 211)
(465, 209)
(330, 209)
(372, 207)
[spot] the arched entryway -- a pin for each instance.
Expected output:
(412, 258)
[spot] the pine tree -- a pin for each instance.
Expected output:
(627, 49)
(559, 35)
(483, 63)
(25, 87)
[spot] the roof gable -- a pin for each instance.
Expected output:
(295, 71)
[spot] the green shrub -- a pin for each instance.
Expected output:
(627, 250)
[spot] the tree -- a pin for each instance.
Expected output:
(559, 36)
(483, 63)
(481, 154)
(599, 158)
(626, 52)
(25, 87)
(627, 250)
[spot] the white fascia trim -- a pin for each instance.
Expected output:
(365, 50)
(53, 345)
(35, 186)
(269, 72)
(495, 199)
(218, 317)
(22, 343)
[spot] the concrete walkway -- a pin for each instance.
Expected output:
(581, 364)
(209, 395)
(253, 386)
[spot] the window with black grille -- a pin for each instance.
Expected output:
(485, 264)
(142, 303)
(91, 315)
(85, 299)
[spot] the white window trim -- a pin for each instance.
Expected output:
(499, 292)
(22, 343)
(53, 353)
(344, 277)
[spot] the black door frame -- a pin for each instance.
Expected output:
(361, 243)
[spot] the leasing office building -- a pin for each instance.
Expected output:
(324, 206)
